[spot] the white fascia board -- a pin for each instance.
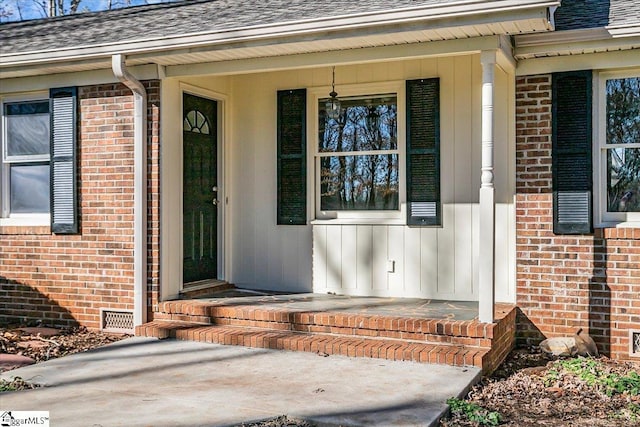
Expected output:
(629, 30)
(593, 61)
(576, 41)
(339, 57)
(78, 78)
(459, 14)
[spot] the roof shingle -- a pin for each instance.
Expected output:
(180, 18)
(582, 14)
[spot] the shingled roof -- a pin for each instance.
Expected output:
(201, 16)
(583, 14)
(181, 18)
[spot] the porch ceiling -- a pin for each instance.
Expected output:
(295, 39)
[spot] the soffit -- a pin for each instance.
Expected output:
(279, 47)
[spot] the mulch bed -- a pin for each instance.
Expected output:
(532, 389)
(42, 344)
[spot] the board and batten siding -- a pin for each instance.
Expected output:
(428, 262)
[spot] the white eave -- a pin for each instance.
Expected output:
(460, 20)
(577, 42)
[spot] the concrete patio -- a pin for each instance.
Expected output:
(150, 382)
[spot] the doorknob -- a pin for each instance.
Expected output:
(215, 202)
(215, 189)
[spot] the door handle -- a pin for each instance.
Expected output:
(215, 202)
(214, 189)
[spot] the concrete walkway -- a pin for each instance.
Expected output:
(147, 382)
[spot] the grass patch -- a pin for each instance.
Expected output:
(595, 374)
(473, 412)
(15, 384)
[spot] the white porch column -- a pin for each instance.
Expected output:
(486, 286)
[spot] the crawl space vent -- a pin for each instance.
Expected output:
(117, 321)
(634, 343)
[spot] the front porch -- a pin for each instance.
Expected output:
(407, 329)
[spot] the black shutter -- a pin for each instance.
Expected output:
(64, 213)
(292, 165)
(424, 206)
(571, 152)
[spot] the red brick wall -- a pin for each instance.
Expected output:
(566, 282)
(66, 279)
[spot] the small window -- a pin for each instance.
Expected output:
(26, 158)
(619, 139)
(196, 122)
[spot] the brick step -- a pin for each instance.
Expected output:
(436, 331)
(321, 343)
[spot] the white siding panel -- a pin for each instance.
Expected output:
(463, 189)
(365, 73)
(446, 234)
(380, 245)
(396, 257)
(476, 155)
(289, 253)
(412, 260)
(364, 259)
(429, 262)
(349, 257)
(265, 256)
(413, 69)
(320, 258)
(334, 258)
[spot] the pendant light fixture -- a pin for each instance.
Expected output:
(332, 105)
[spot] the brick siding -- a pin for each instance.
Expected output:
(566, 282)
(65, 280)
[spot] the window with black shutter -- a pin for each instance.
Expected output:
(64, 214)
(571, 152)
(423, 152)
(38, 162)
(292, 165)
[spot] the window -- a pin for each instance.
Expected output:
(26, 159)
(375, 162)
(358, 154)
(38, 170)
(358, 168)
(619, 147)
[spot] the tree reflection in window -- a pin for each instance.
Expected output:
(623, 144)
(359, 155)
(196, 122)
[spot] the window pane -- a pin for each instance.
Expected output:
(359, 182)
(364, 124)
(27, 134)
(623, 111)
(623, 179)
(30, 189)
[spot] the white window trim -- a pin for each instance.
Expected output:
(398, 216)
(7, 219)
(602, 218)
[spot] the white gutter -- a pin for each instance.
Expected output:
(456, 13)
(140, 188)
(580, 41)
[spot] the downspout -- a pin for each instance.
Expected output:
(140, 187)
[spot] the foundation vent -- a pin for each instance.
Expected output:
(634, 343)
(116, 321)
